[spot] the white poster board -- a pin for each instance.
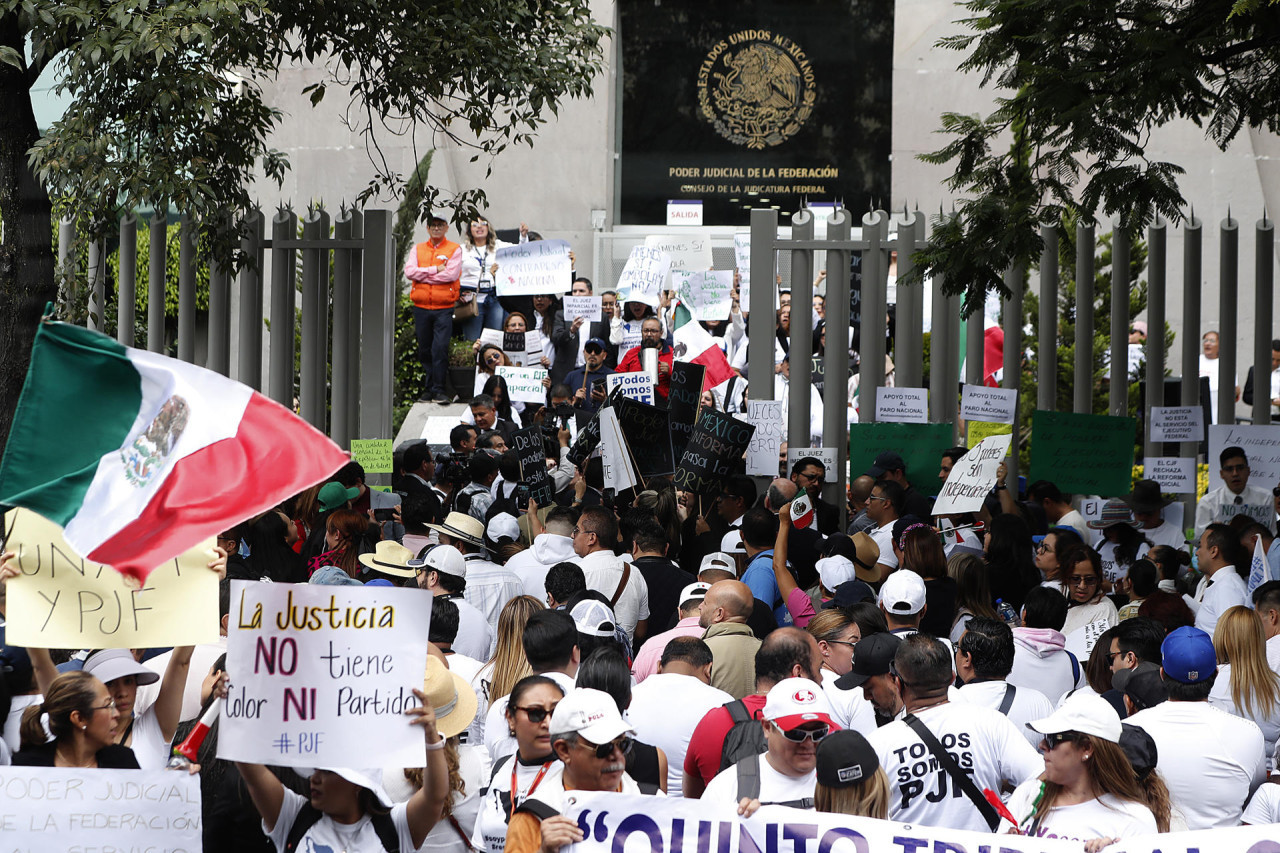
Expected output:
(525, 383)
(536, 267)
(992, 405)
(644, 277)
(636, 385)
(902, 405)
(615, 455)
(324, 675)
(1177, 423)
(972, 477)
(827, 455)
(586, 307)
(687, 251)
(742, 258)
(1175, 474)
(631, 335)
(708, 293)
(766, 442)
(1260, 443)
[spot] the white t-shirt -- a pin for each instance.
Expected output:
(982, 741)
(13, 723)
(1167, 534)
(490, 835)
(474, 634)
(1210, 760)
(1264, 806)
(603, 572)
(1028, 705)
(473, 766)
(1220, 697)
(1112, 572)
(148, 743)
(496, 739)
(665, 709)
(883, 537)
(359, 836)
(775, 787)
(1106, 817)
(1074, 519)
(849, 708)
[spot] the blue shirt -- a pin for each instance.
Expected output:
(764, 586)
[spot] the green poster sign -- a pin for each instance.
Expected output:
(919, 445)
(1083, 454)
(373, 454)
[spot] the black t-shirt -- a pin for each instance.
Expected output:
(940, 607)
(665, 580)
(113, 757)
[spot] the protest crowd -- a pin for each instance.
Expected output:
(611, 614)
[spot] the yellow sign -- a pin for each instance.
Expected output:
(373, 454)
(978, 430)
(62, 601)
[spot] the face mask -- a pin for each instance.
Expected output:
(1195, 561)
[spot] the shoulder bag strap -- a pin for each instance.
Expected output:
(957, 775)
(385, 827)
(306, 818)
(1007, 702)
(748, 772)
(622, 584)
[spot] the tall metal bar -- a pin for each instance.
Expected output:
(156, 279)
(951, 384)
(871, 351)
(908, 347)
(1120, 277)
(800, 389)
(315, 319)
(1154, 351)
(974, 346)
(1047, 344)
(760, 322)
(377, 325)
(219, 356)
(96, 315)
(1192, 232)
(284, 226)
(186, 289)
(340, 366)
(835, 424)
(1263, 290)
(941, 347)
(1228, 342)
(356, 301)
(1012, 321)
(127, 298)
(249, 360)
(1083, 381)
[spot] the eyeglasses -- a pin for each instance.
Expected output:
(1056, 738)
(578, 530)
(535, 714)
(1083, 580)
(800, 735)
(1113, 655)
(493, 358)
(872, 497)
(604, 750)
(110, 706)
(840, 643)
(818, 477)
(1042, 548)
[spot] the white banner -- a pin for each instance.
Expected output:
(972, 477)
(992, 405)
(1177, 423)
(537, 267)
(708, 293)
(742, 258)
(1260, 443)
(644, 277)
(586, 307)
(1175, 474)
(615, 456)
(636, 385)
(324, 675)
(630, 337)
(72, 810)
(631, 823)
(766, 442)
(826, 454)
(687, 251)
(902, 405)
(525, 383)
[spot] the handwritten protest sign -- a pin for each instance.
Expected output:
(631, 330)
(645, 276)
(62, 601)
(826, 455)
(976, 431)
(76, 810)
(1261, 445)
(1083, 454)
(902, 405)
(742, 259)
(993, 405)
(972, 478)
(586, 307)
(637, 385)
(1175, 474)
(718, 440)
(639, 824)
(324, 675)
(648, 434)
(766, 441)
(920, 446)
(687, 251)
(708, 293)
(682, 402)
(587, 440)
(1177, 423)
(530, 450)
(525, 383)
(537, 267)
(373, 454)
(818, 373)
(615, 456)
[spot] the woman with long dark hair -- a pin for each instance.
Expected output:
(344, 530)
(919, 550)
(1010, 559)
(271, 538)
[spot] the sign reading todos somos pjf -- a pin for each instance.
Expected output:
(323, 675)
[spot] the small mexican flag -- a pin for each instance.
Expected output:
(695, 344)
(140, 457)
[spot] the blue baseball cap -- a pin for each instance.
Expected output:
(598, 342)
(1187, 655)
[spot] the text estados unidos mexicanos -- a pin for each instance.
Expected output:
(310, 618)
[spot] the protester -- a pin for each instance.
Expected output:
(837, 635)
(646, 661)
(550, 643)
(984, 659)
(443, 571)
(1089, 611)
(1236, 496)
(890, 466)
(849, 777)
(605, 669)
(973, 595)
(507, 665)
(723, 617)
(1148, 505)
(553, 545)
(1049, 553)
(871, 672)
(1246, 686)
(1010, 558)
(84, 722)
(920, 550)
(1058, 511)
(1222, 586)
(1121, 544)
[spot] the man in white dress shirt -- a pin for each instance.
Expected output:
(1235, 496)
(1222, 586)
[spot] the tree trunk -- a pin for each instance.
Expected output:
(26, 253)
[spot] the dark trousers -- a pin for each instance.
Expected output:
(432, 329)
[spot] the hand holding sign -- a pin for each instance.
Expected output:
(972, 477)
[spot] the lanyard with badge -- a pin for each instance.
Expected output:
(485, 282)
(529, 793)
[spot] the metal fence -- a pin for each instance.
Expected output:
(342, 273)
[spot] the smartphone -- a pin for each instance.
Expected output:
(382, 515)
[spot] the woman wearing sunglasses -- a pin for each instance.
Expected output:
(591, 740)
(1086, 603)
(1088, 791)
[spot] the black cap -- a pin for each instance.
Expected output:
(1142, 684)
(886, 461)
(845, 758)
(850, 592)
(1138, 747)
(871, 656)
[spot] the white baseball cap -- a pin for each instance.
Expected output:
(592, 714)
(903, 593)
(835, 570)
(718, 560)
(795, 701)
(445, 559)
(694, 591)
(731, 543)
(1085, 713)
(594, 618)
(362, 777)
(502, 525)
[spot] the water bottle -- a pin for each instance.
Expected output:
(1007, 613)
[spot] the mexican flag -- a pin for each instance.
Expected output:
(695, 344)
(139, 457)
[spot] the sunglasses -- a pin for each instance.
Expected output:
(1052, 741)
(1083, 580)
(800, 735)
(1276, 491)
(604, 750)
(534, 713)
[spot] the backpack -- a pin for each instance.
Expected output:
(744, 739)
(308, 815)
(748, 770)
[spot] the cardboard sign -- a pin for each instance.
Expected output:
(717, 442)
(902, 405)
(1261, 444)
(1083, 454)
(636, 385)
(992, 405)
(742, 259)
(1177, 423)
(62, 601)
(588, 439)
(920, 446)
(586, 307)
(324, 675)
(615, 454)
(537, 267)
(373, 454)
(976, 431)
(766, 442)
(1175, 474)
(648, 433)
(76, 810)
(708, 293)
(530, 449)
(682, 402)
(687, 251)
(826, 455)
(972, 478)
(524, 384)
(644, 277)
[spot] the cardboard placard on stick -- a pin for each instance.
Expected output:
(530, 449)
(717, 443)
(648, 433)
(524, 384)
(1083, 454)
(972, 477)
(682, 401)
(533, 268)
(766, 443)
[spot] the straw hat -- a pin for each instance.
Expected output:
(450, 696)
(389, 558)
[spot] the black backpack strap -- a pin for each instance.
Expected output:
(1075, 669)
(306, 818)
(958, 776)
(1007, 702)
(538, 809)
(802, 803)
(738, 712)
(748, 770)
(386, 829)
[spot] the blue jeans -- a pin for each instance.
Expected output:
(432, 329)
(490, 315)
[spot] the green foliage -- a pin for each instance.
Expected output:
(143, 277)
